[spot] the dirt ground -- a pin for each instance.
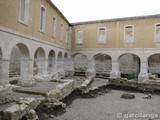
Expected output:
(111, 107)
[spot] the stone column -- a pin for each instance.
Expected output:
(115, 69)
(60, 68)
(42, 65)
(143, 75)
(24, 69)
(31, 67)
(55, 70)
(71, 66)
(26, 73)
(51, 66)
(91, 72)
(45, 67)
(5, 88)
(42, 74)
(5, 70)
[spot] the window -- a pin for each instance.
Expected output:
(23, 11)
(61, 32)
(128, 34)
(42, 19)
(67, 35)
(102, 35)
(54, 28)
(79, 36)
(157, 32)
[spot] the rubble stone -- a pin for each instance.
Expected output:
(149, 96)
(60, 92)
(128, 95)
(6, 94)
(20, 109)
(32, 115)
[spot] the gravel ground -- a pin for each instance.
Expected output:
(111, 107)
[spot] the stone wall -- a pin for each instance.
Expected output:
(60, 92)
(129, 64)
(21, 108)
(103, 63)
(154, 64)
(15, 61)
(103, 66)
(80, 62)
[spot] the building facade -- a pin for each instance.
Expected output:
(124, 47)
(37, 41)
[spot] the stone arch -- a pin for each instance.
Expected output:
(19, 61)
(60, 56)
(129, 65)
(80, 62)
(154, 64)
(60, 61)
(0, 63)
(103, 64)
(39, 61)
(66, 61)
(65, 56)
(51, 61)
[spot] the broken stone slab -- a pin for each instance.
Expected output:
(149, 96)
(60, 92)
(86, 82)
(21, 108)
(128, 95)
(15, 87)
(84, 86)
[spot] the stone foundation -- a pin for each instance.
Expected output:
(60, 92)
(5, 92)
(22, 108)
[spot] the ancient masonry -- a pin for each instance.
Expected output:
(37, 44)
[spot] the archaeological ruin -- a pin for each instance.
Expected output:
(48, 64)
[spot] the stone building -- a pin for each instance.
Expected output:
(38, 43)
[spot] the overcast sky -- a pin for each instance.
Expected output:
(87, 10)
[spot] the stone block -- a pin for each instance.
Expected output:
(6, 94)
(32, 115)
(60, 92)
(20, 109)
